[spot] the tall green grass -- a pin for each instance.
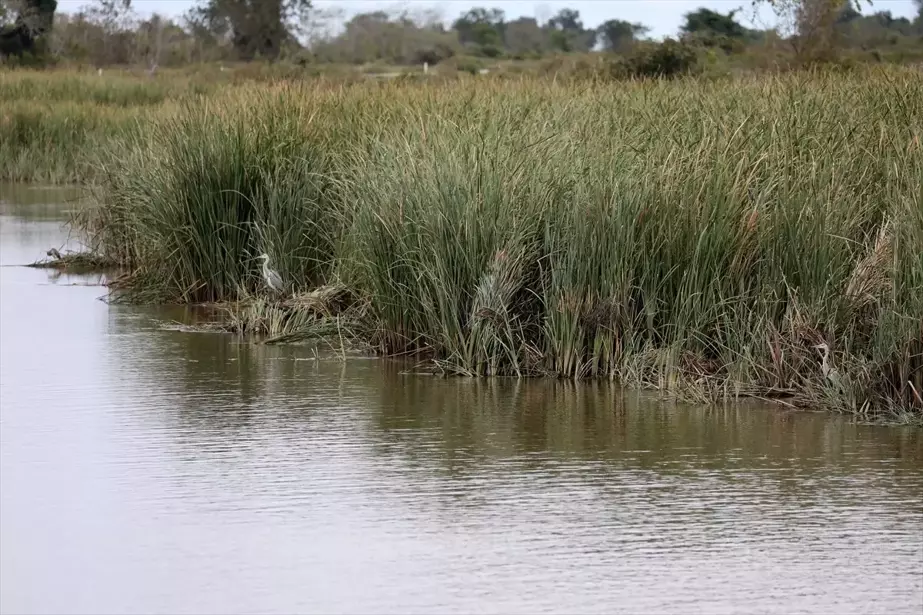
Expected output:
(697, 237)
(55, 127)
(58, 143)
(192, 204)
(60, 126)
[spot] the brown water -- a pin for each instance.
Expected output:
(145, 469)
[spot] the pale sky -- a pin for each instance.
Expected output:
(662, 16)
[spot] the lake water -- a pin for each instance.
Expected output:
(144, 469)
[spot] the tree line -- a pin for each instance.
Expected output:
(107, 32)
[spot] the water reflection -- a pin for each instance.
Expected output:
(496, 417)
(148, 469)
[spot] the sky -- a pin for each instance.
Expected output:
(662, 16)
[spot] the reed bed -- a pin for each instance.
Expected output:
(55, 128)
(59, 127)
(705, 238)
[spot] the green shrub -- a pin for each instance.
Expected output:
(489, 51)
(433, 55)
(468, 64)
(713, 40)
(668, 59)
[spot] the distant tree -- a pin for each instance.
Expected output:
(23, 23)
(887, 21)
(482, 27)
(207, 45)
(705, 21)
(873, 31)
(848, 13)
(616, 35)
(811, 25)
(524, 35)
(397, 39)
(74, 37)
(368, 37)
(112, 11)
(567, 20)
(257, 28)
(568, 33)
(159, 41)
(112, 26)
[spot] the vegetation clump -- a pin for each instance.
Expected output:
(759, 236)
(74, 262)
(668, 59)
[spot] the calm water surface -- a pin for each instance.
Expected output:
(148, 470)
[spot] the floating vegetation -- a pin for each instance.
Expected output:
(75, 262)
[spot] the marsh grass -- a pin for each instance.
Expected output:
(59, 126)
(57, 143)
(191, 206)
(696, 237)
(56, 126)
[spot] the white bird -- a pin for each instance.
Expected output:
(828, 370)
(272, 278)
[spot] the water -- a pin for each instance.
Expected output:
(146, 469)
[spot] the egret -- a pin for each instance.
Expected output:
(828, 370)
(272, 278)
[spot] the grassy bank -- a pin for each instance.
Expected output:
(58, 127)
(703, 238)
(54, 128)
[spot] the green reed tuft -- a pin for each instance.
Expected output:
(192, 205)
